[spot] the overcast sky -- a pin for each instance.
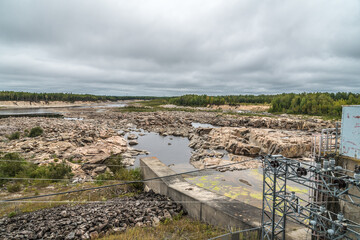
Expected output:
(175, 47)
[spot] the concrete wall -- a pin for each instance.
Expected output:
(200, 203)
(350, 211)
(207, 206)
(350, 131)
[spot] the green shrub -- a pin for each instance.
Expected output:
(52, 171)
(12, 214)
(114, 162)
(12, 188)
(26, 132)
(13, 136)
(13, 165)
(123, 175)
(101, 178)
(16, 167)
(36, 131)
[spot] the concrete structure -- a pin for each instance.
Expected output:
(350, 132)
(202, 204)
(349, 154)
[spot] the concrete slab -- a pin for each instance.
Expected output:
(203, 204)
(245, 185)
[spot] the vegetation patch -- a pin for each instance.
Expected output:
(119, 172)
(179, 228)
(14, 166)
(328, 105)
(67, 97)
(322, 104)
(155, 102)
(205, 100)
(36, 131)
(137, 109)
(14, 136)
(69, 199)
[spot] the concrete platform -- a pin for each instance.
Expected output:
(204, 205)
(244, 185)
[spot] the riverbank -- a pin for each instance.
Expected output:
(53, 104)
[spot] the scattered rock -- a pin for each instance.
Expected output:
(133, 142)
(89, 221)
(132, 136)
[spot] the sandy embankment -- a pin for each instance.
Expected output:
(43, 104)
(252, 108)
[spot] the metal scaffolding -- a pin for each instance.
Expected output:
(326, 142)
(274, 204)
(325, 180)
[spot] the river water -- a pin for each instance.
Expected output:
(26, 111)
(171, 150)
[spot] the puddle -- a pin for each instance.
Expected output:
(202, 125)
(73, 119)
(172, 151)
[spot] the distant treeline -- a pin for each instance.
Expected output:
(204, 100)
(326, 104)
(66, 97)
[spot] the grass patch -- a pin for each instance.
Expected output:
(21, 168)
(331, 118)
(154, 102)
(15, 187)
(14, 136)
(183, 228)
(136, 109)
(69, 199)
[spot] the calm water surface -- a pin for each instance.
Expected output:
(27, 111)
(176, 155)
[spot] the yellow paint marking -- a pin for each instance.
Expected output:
(296, 189)
(256, 195)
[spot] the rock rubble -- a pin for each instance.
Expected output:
(88, 221)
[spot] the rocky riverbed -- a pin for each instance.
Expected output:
(88, 221)
(87, 137)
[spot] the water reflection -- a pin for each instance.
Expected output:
(202, 125)
(172, 151)
(27, 111)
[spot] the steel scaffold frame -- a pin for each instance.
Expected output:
(325, 180)
(274, 188)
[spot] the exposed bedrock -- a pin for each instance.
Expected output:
(102, 134)
(249, 142)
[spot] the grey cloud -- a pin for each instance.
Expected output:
(160, 47)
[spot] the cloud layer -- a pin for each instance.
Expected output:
(161, 47)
